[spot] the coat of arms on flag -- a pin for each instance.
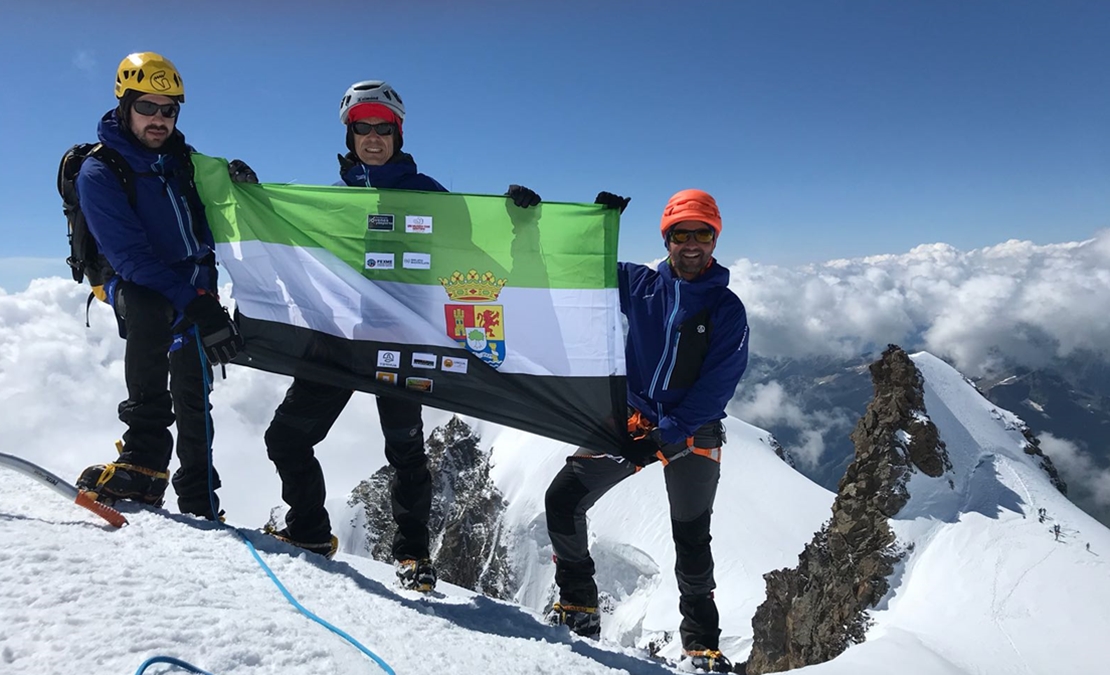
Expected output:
(478, 326)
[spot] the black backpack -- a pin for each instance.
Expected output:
(85, 259)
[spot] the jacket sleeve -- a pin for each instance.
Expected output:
(724, 365)
(121, 237)
(624, 283)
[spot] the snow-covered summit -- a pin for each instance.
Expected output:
(990, 587)
(995, 570)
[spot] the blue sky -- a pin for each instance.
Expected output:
(826, 129)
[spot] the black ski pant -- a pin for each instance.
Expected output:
(691, 488)
(303, 420)
(164, 387)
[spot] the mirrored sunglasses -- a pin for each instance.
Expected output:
(148, 108)
(682, 236)
(381, 128)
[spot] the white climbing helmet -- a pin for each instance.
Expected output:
(371, 91)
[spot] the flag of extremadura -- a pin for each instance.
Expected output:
(462, 302)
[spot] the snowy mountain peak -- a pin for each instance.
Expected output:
(815, 611)
(943, 527)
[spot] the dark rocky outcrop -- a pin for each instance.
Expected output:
(467, 509)
(782, 452)
(818, 609)
(1033, 447)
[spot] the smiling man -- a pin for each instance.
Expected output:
(686, 350)
(374, 116)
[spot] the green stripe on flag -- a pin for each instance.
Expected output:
(433, 235)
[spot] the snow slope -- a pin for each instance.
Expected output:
(987, 588)
(78, 596)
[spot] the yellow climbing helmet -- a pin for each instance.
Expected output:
(149, 73)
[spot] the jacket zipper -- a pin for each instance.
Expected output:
(667, 344)
(674, 360)
(191, 245)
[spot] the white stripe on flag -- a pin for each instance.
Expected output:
(561, 332)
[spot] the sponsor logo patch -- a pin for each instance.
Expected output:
(380, 222)
(389, 359)
(388, 378)
(419, 384)
(379, 261)
(453, 364)
(420, 360)
(418, 224)
(417, 261)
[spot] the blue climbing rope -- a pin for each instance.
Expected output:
(254, 552)
(293, 601)
(266, 568)
(173, 662)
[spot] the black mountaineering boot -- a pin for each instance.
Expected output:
(416, 575)
(111, 482)
(328, 549)
(580, 619)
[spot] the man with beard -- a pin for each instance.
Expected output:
(686, 350)
(155, 236)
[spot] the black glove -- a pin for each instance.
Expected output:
(612, 201)
(641, 452)
(346, 162)
(522, 196)
(218, 333)
(240, 172)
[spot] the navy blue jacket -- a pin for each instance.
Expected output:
(399, 173)
(161, 242)
(687, 345)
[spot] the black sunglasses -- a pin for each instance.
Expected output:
(682, 236)
(381, 128)
(148, 108)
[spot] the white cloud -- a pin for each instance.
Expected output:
(1077, 468)
(1016, 300)
(84, 60)
(767, 405)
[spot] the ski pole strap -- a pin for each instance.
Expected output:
(171, 661)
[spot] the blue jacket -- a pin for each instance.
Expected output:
(399, 173)
(162, 241)
(687, 345)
